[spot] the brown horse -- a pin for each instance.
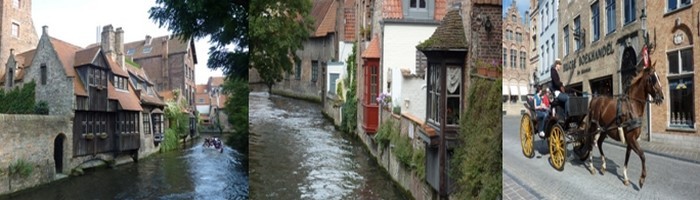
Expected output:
(620, 118)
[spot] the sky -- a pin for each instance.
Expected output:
(523, 5)
(77, 22)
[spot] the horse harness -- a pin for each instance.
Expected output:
(632, 122)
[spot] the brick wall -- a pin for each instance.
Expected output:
(31, 138)
(27, 34)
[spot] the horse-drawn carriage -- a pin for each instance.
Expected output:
(559, 130)
(589, 123)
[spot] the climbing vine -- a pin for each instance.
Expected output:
(349, 123)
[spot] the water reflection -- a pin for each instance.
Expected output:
(296, 153)
(194, 173)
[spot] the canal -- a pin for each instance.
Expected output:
(194, 172)
(295, 153)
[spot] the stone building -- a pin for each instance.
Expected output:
(600, 45)
(517, 71)
(168, 61)
(16, 29)
(308, 77)
(93, 87)
(548, 27)
(672, 26)
(210, 101)
(532, 40)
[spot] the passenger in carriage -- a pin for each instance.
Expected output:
(558, 88)
(541, 109)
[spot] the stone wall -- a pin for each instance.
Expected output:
(58, 91)
(31, 138)
(332, 108)
(27, 39)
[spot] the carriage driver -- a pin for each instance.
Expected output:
(558, 87)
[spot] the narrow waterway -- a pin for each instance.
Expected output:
(195, 172)
(295, 153)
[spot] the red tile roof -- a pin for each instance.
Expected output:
(66, 53)
(144, 96)
(127, 100)
(324, 12)
(349, 15)
(24, 60)
(392, 9)
(216, 81)
(86, 56)
(373, 50)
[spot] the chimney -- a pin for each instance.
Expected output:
(164, 69)
(107, 42)
(165, 47)
(45, 30)
(148, 40)
(119, 47)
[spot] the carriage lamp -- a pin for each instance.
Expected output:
(643, 17)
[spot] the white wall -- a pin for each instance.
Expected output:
(399, 51)
(334, 67)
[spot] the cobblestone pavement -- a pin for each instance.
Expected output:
(671, 172)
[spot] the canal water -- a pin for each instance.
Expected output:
(195, 172)
(295, 153)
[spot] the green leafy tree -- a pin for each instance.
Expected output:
(225, 22)
(277, 30)
(349, 123)
(237, 91)
(178, 121)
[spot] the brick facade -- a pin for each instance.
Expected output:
(26, 39)
(672, 31)
(517, 74)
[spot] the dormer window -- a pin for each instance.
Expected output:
(418, 4)
(130, 51)
(147, 49)
(97, 77)
(419, 9)
(120, 83)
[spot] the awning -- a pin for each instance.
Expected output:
(514, 90)
(523, 90)
(505, 90)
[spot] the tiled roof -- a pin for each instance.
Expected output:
(392, 9)
(145, 97)
(24, 60)
(86, 56)
(116, 69)
(66, 53)
(127, 100)
(449, 35)
(324, 13)
(175, 45)
(138, 72)
(216, 81)
(205, 96)
(349, 15)
(373, 50)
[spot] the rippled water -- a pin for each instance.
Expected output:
(194, 173)
(297, 154)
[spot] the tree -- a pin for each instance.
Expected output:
(237, 91)
(225, 22)
(278, 28)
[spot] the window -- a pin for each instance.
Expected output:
(373, 84)
(130, 51)
(454, 91)
(43, 74)
(566, 40)
(522, 59)
(434, 90)
(298, 70)
(314, 71)
(147, 49)
(418, 4)
(15, 3)
(610, 14)
(595, 21)
(146, 123)
(120, 83)
(15, 29)
(680, 78)
(201, 100)
(421, 63)
(630, 11)
(519, 37)
(11, 76)
(513, 58)
(676, 4)
(505, 57)
(331, 82)
(578, 34)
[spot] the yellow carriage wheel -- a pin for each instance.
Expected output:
(526, 132)
(557, 147)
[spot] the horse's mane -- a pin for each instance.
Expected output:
(636, 79)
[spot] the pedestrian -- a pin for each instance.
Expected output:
(558, 88)
(542, 109)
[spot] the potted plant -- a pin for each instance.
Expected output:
(488, 69)
(384, 100)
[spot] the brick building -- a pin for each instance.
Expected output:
(673, 29)
(16, 30)
(517, 71)
(548, 27)
(168, 61)
(210, 101)
(534, 35)
(600, 45)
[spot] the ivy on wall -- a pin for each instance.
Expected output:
(18, 100)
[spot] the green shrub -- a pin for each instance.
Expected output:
(19, 100)
(41, 108)
(403, 149)
(21, 168)
(170, 141)
(383, 136)
(418, 161)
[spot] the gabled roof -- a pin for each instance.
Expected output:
(449, 35)
(393, 9)
(66, 54)
(145, 97)
(24, 60)
(175, 45)
(349, 15)
(373, 50)
(86, 56)
(127, 100)
(324, 13)
(215, 81)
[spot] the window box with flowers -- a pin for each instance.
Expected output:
(384, 100)
(489, 69)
